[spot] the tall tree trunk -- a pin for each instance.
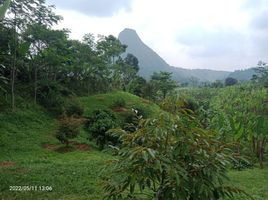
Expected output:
(13, 70)
(13, 75)
(35, 84)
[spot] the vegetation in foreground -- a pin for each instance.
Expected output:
(37, 158)
(183, 147)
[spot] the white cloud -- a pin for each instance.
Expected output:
(219, 34)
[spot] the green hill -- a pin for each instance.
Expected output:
(29, 155)
(105, 101)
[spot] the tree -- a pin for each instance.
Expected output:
(137, 86)
(262, 73)
(24, 13)
(124, 71)
(166, 159)
(163, 82)
(110, 48)
(230, 81)
(133, 61)
(217, 84)
(99, 123)
(69, 128)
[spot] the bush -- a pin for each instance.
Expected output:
(131, 120)
(69, 128)
(49, 95)
(74, 108)
(119, 103)
(230, 81)
(167, 159)
(99, 123)
(140, 111)
(241, 163)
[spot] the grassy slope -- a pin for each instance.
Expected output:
(72, 175)
(253, 181)
(105, 101)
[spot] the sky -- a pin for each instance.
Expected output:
(211, 34)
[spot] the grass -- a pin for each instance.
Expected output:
(72, 175)
(105, 101)
(24, 162)
(253, 181)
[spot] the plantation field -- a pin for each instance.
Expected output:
(31, 156)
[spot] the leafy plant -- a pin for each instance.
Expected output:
(119, 103)
(99, 123)
(69, 128)
(164, 159)
(73, 107)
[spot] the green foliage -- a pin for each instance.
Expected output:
(69, 128)
(73, 107)
(119, 103)
(163, 83)
(217, 84)
(137, 86)
(262, 74)
(165, 159)
(241, 163)
(99, 123)
(238, 114)
(49, 95)
(230, 81)
(78, 171)
(131, 60)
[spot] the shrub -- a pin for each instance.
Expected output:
(49, 95)
(241, 163)
(140, 111)
(74, 108)
(119, 103)
(230, 81)
(131, 120)
(69, 128)
(99, 123)
(166, 159)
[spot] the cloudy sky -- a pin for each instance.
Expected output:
(212, 34)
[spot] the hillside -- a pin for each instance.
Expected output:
(105, 101)
(31, 156)
(242, 75)
(150, 61)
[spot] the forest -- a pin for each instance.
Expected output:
(77, 121)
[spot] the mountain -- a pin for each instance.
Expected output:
(150, 61)
(242, 75)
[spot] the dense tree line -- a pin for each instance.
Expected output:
(45, 64)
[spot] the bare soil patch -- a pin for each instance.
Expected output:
(146, 101)
(119, 109)
(73, 146)
(7, 164)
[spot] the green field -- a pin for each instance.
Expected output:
(31, 156)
